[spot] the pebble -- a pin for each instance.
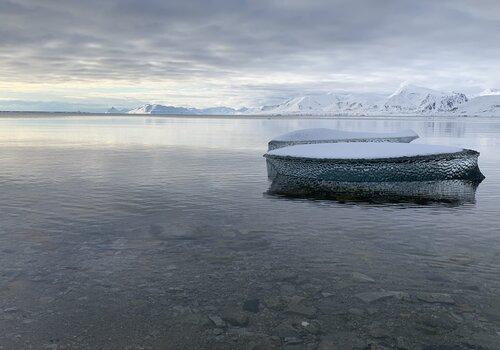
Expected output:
(370, 297)
(235, 317)
(355, 311)
(287, 289)
(403, 344)
(284, 330)
(311, 288)
(359, 277)
(461, 260)
(45, 300)
(379, 331)
(438, 322)
(297, 306)
(251, 305)
(10, 310)
(264, 342)
(195, 319)
(50, 347)
(156, 229)
(438, 298)
(286, 276)
(342, 341)
(311, 327)
(293, 340)
(217, 321)
(275, 303)
(327, 345)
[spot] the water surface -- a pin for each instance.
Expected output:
(141, 232)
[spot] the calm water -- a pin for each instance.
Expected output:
(141, 232)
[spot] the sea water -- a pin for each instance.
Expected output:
(165, 232)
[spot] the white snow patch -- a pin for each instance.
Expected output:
(361, 150)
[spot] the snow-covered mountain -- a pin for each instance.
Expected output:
(114, 110)
(160, 109)
(217, 111)
(489, 92)
(408, 100)
(411, 99)
(487, 105)
(327, 104)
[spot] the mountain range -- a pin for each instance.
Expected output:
(408, 100)
(160, 109)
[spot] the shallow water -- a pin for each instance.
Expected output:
(141, 231)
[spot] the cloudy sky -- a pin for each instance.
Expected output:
(93, 54)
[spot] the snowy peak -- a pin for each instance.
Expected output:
(328, 104)
(411, 99)
(489, 92)
(114, 110)
(406, 100)
(409, 90)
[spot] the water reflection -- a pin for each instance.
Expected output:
(228, 133)
(421, 192)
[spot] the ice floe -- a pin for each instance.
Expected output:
(374, 162)
(361, 150)
(324, 135)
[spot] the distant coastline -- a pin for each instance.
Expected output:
(47, 114)
(408, 100)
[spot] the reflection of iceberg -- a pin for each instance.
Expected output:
(374, 162)
(322, 135)
(444, 191)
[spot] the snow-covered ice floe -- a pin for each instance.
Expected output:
(374, 162)
(323, 135)
(421, 192)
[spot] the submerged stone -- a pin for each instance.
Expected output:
(299, 306)
(369, 297)
(435, 298)
(217, 321)
(235, 317)
(362, 278)
(251, 305)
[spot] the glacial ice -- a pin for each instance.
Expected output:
(324, 135)
(374, 162)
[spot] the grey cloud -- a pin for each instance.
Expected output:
(153, 40)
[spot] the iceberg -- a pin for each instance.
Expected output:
(374, 162)
(324, 135)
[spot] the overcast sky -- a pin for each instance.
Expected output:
(92, 54)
